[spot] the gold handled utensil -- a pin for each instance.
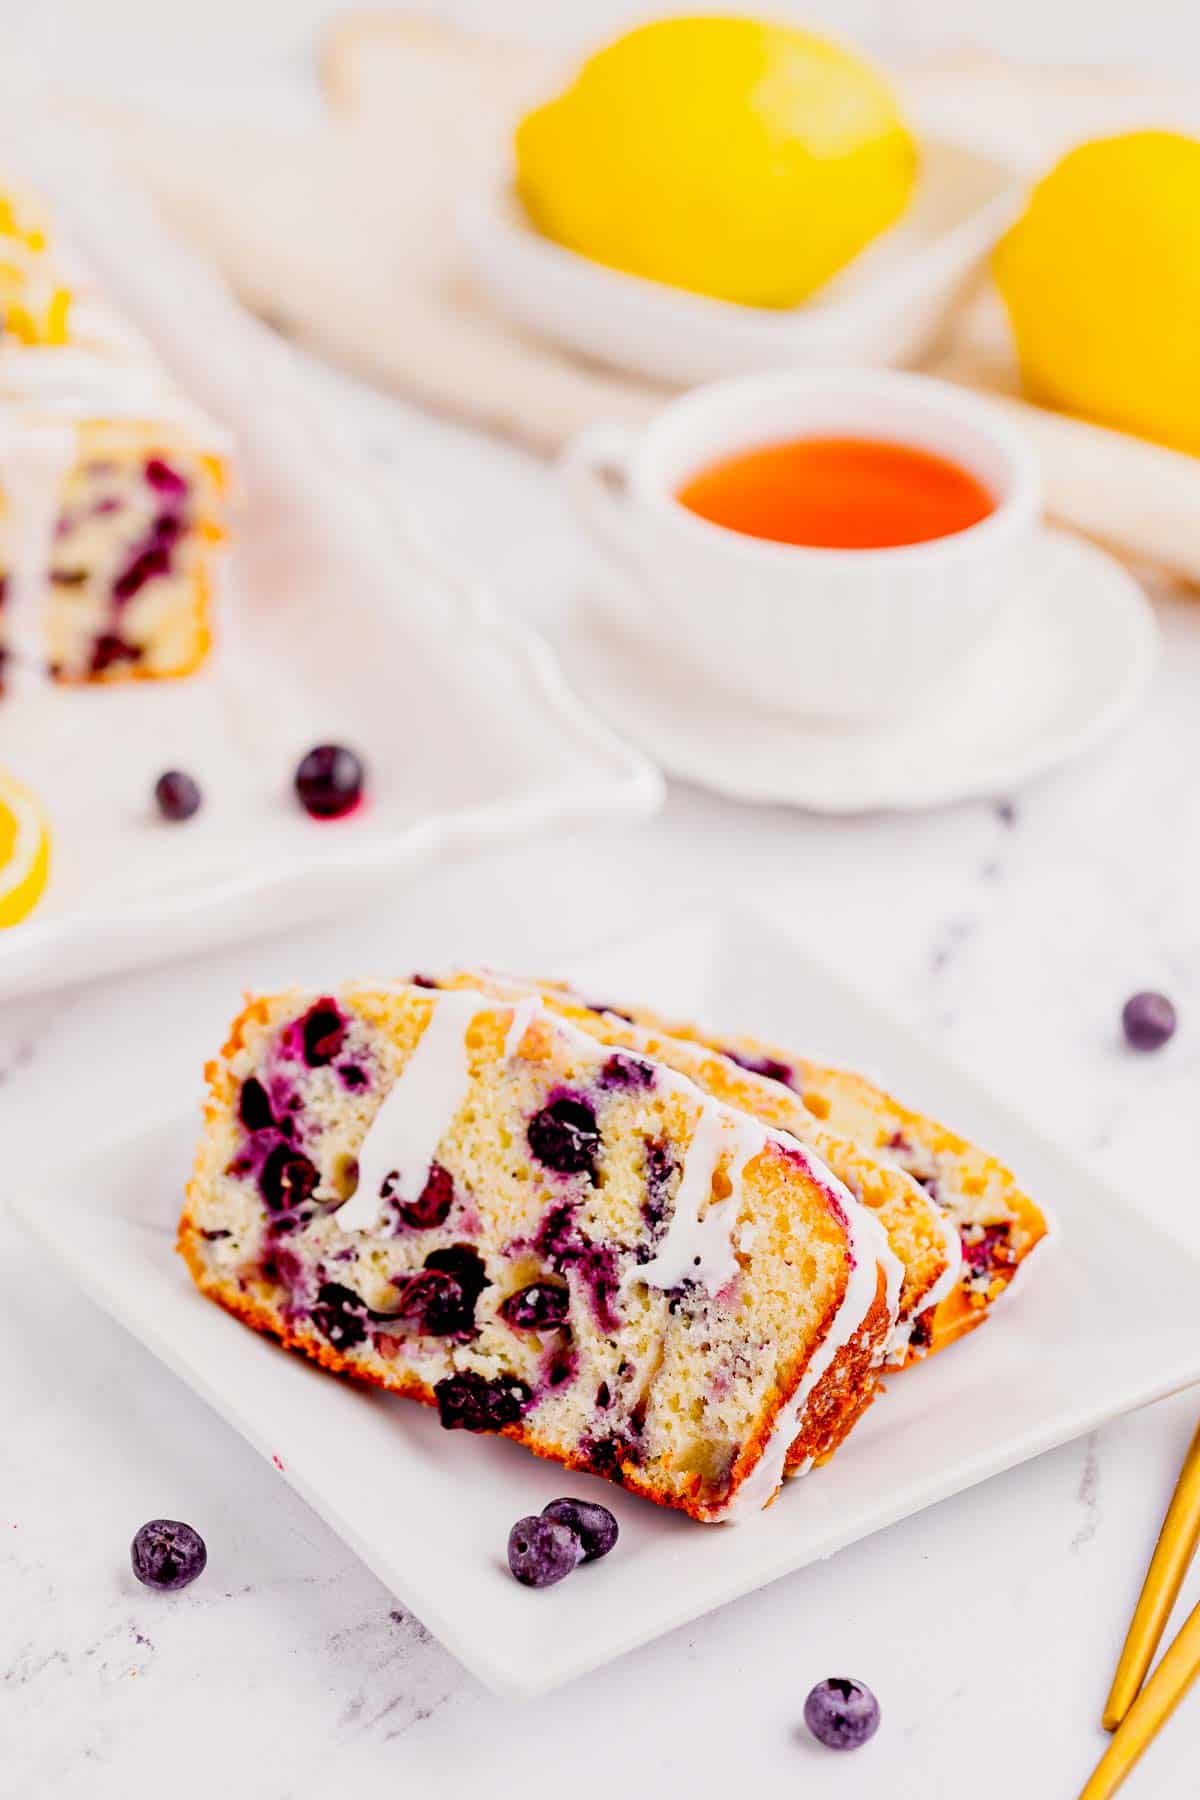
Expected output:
(1160, 1590)
(1154, 1705)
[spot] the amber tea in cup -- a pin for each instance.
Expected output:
(839, 493)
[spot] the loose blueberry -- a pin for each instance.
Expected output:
(564, 1136)
(1149, 1021)
(324, 1032)
(470, 1402)
(178, 796)
(592, 1524)
(254, 1106)
(841, 1714)
(541, 1551)
(287, 1179)
(539, 1307)
(330, 781)
(167, 1554)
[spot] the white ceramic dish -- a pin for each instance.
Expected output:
(886, 307)
(1106, 1326)
(340, 625)
(834, 635)
(1065, 665)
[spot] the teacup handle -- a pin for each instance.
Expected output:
(595, 469)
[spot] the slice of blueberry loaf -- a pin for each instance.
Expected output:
(112, 485)
(919, 1233)
(997, 1224)
(478, 1205)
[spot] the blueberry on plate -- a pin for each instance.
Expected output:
(593, 1524)
(541, 1551)
(841, 1713)
(1148, 1020)
(167, 1554)
(177, 796)
(329, 781)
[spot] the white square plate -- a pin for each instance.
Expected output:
(340, 624)
(1106, 1326)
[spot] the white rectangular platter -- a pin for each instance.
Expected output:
(339, 625)
(1106, 1325)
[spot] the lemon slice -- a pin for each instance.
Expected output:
(24, 852)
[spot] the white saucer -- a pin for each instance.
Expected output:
(1062, 668)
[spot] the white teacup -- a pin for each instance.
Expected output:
(843, 635)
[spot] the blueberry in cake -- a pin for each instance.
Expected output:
(920, 1234)
(475, 1203)
(996, 1223)
(111, 484)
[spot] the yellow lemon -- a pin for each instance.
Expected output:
(1101, 277)
(734, 158)
(24, 851)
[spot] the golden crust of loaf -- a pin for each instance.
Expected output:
(799, 1217)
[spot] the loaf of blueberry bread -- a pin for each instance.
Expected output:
(111, 484)
(996, 1223)
(919, 1233)
(478, 1204)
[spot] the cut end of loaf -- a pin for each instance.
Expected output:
(598, 1260)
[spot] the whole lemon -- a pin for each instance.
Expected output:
(1101, 277)
(738, 159)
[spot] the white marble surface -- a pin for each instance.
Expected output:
(1009, 932)
(987, 1626)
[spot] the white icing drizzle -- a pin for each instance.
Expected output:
(34, 458)
(70, 381)
(524, 1013)
(698, 1245)
(417, 1110)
